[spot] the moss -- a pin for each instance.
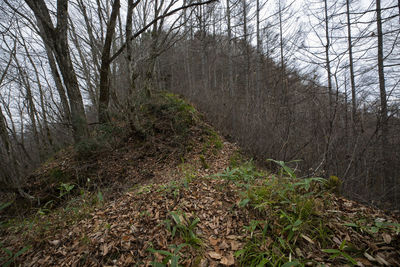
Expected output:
(87, 148)
(204, 163)
(212, 141)
(57, 176)
(236, 159)
(333, 184)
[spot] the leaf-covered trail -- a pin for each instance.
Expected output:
(121, 231)
(186, 214)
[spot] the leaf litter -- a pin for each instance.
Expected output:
(132, 229)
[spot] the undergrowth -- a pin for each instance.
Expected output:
(287, 213)
(182, 227)
(46, 223)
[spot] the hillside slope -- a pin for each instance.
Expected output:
(200, 204)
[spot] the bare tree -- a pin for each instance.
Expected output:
(105, 65)
(56, 37)
(351, 65)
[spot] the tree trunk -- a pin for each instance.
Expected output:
(230, 71)
(57, 39)
(105, 65)
(352, 82)
(328, 69)
(90, 87)
(383, 99)
(4, 134)
(328, 62)
(259, 58)
(283, 78)
(247, 66)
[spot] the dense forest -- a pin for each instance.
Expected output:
(314, 83)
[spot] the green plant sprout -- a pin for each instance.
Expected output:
(11, 256)
(65, 188)
(185, 228)
(171, 258)
(340, 253)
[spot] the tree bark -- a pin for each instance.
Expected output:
(327, 59)
(57, 39)
(105, 65)
(283, 78)
(351, 65)
(259, 58)
(245, 33)
(383, 101)
(230, 71)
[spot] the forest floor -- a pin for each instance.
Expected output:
(196, 201)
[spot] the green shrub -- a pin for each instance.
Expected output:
(11, 256)
(56, 175)
(236, 159)
(184, 227)
(104, 137)
(204, 163)
(109, 134)
(87, 148)
(245, 173)
(333, 184)
(181, 114)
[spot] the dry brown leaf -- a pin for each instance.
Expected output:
(347, 238)
(387, 238)
(363, 261)
(381, 260)
(336, 240)
(214, 255)
(55, 242)
(299, 253)
(105, 249)
(369, 257)
(307, 238)
(235, 245)
(228, 260)
(223, 245)
(213, 241)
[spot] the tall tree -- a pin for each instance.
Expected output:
(56, 37)
(327, 59)
(382, 90)
(351, 66)
(105, 64)
(230, 71)
(246, 46)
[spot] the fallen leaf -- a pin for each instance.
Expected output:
(299, 253)
(213, 241)
(363, 261)
(223, 245)
(55, 242)
(307, 238)
(369, 257)
(228, 260)
(387, 238)
(214, 255)
(382, 260)
(336, 240)
(204, 263)
(235, 245)
(105, 249)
